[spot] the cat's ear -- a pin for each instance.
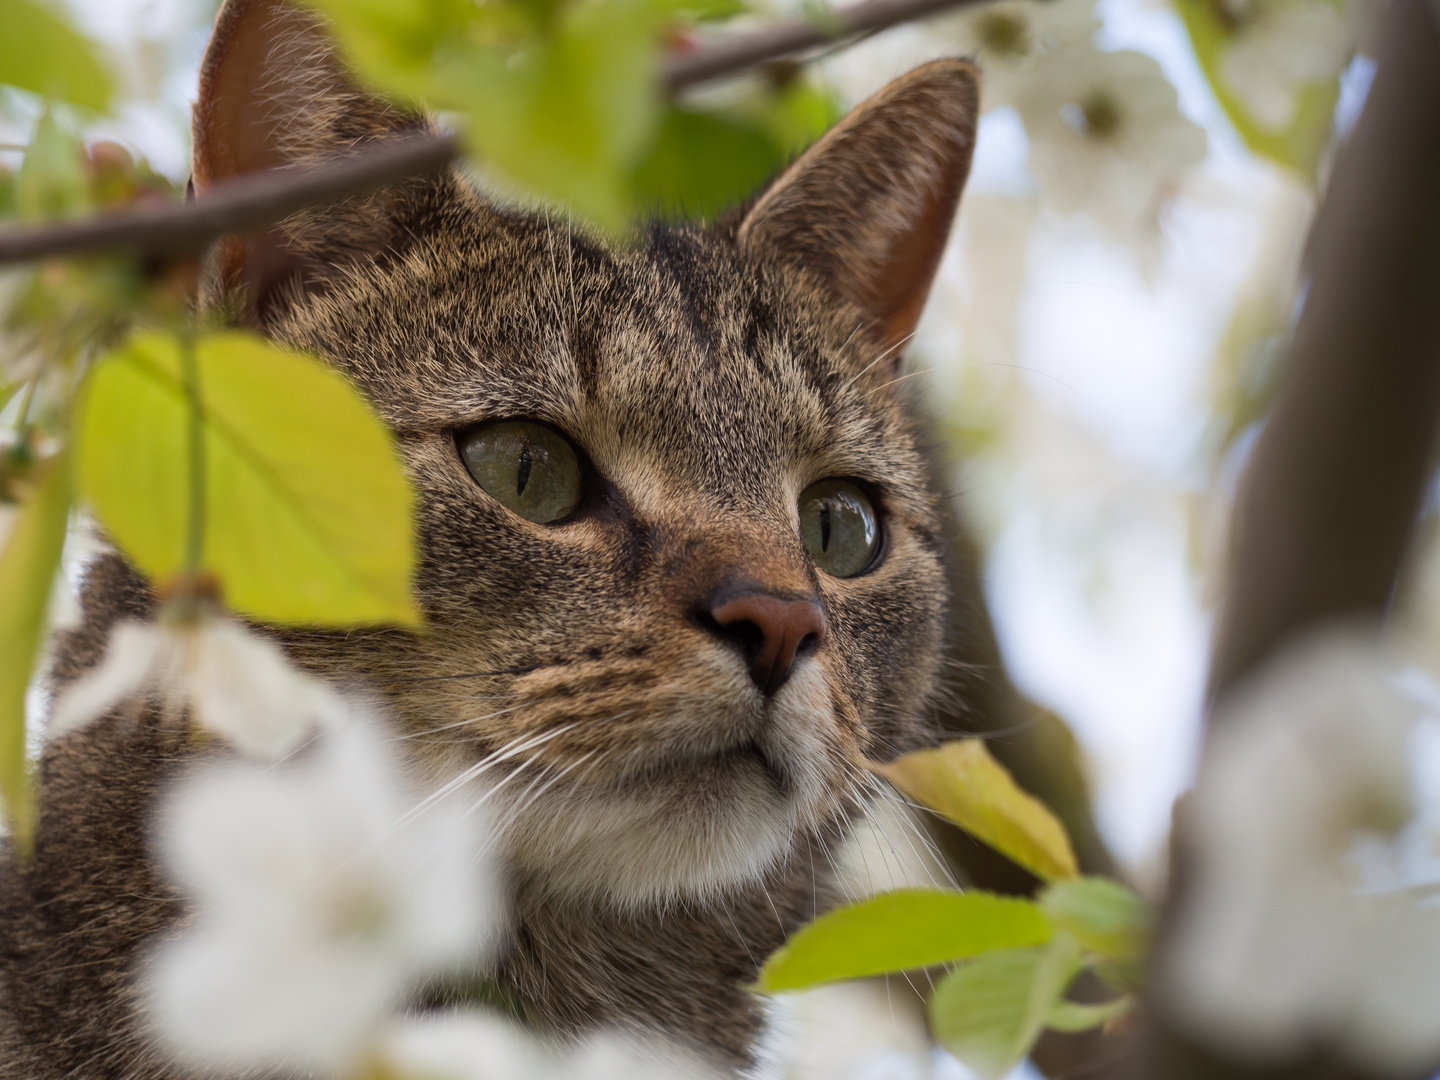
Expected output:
(273, 93)
(869, 206)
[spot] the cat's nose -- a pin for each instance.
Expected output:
(771, 631)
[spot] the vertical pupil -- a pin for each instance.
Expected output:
(524, 476)
(824, 526)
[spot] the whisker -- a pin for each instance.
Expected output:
(518, 745)
(524, 670)
(458, 723)
(898, 345)
(514, 814)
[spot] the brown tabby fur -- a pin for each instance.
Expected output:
(708, 375)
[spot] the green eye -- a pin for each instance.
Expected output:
(837, 523)
(527, 467)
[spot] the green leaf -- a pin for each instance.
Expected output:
(701, 163)
(989, 1012)
(909, 928)
(40, 52)
(569, 115)
(392, 44)
(307, 510)
(27, 572)
(1072, 1017)
(52, 182)
(963, 783)
(1108, 920)
(1298, 147)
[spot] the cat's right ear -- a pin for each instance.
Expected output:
(868, 208)
(273, 93)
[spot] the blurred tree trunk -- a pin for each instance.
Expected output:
(1329, 502)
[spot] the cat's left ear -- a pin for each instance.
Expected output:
(273, 93)
(869, 206)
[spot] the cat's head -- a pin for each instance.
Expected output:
(680, 557)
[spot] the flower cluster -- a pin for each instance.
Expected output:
(1310, 917)
(1279, 47)
(1107, 138)
(319, 901)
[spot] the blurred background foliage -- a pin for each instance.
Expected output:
(1104, 337)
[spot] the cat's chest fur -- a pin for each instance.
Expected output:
(693, 689)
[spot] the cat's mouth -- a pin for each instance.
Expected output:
(751, 752)
(748, 757)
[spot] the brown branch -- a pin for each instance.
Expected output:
(232, 205)
(737, 52)
(1329, 503)
(261, 198)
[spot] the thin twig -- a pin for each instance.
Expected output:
(257, 199)
(723, 56)
(233, 205)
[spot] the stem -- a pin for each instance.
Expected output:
(23, 416)
(233, 205)
(733, 53)
(195, 440)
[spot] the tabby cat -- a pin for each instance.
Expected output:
(676, 516)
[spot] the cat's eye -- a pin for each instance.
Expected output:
(839, 527)
(527, 467)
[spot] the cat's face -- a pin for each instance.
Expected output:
(667, 677)
(703, 396)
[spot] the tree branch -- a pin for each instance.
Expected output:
(233, 205)
(260, 198)
(1328, 505)
(737, 52)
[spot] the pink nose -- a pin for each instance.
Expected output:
(771, 631)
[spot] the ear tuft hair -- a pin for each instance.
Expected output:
(868, 208)
(273, 93)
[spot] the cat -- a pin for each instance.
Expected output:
(677, 515)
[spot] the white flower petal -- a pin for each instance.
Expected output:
(1295, 820)
(1107, 138)
(246, 690)
(278, 1003)
(134, 656)
(466, 1046)
(1283, 46)
(478, 1046)
(324, 897)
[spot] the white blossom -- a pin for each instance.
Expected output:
(477, 1046)
(1290, 936)
(320, 897)
(1278, 48)
(238, 684)
(1106, 136)
(1011, 37)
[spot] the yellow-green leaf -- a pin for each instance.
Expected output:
(27, 571)
(962, 782)
(909, 928)
(570, 115)
(51, 182)
(1300, 145)
(307, 510)
(42, 53)
(1072, 1017)
(1107, 919)
(989, 1012)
